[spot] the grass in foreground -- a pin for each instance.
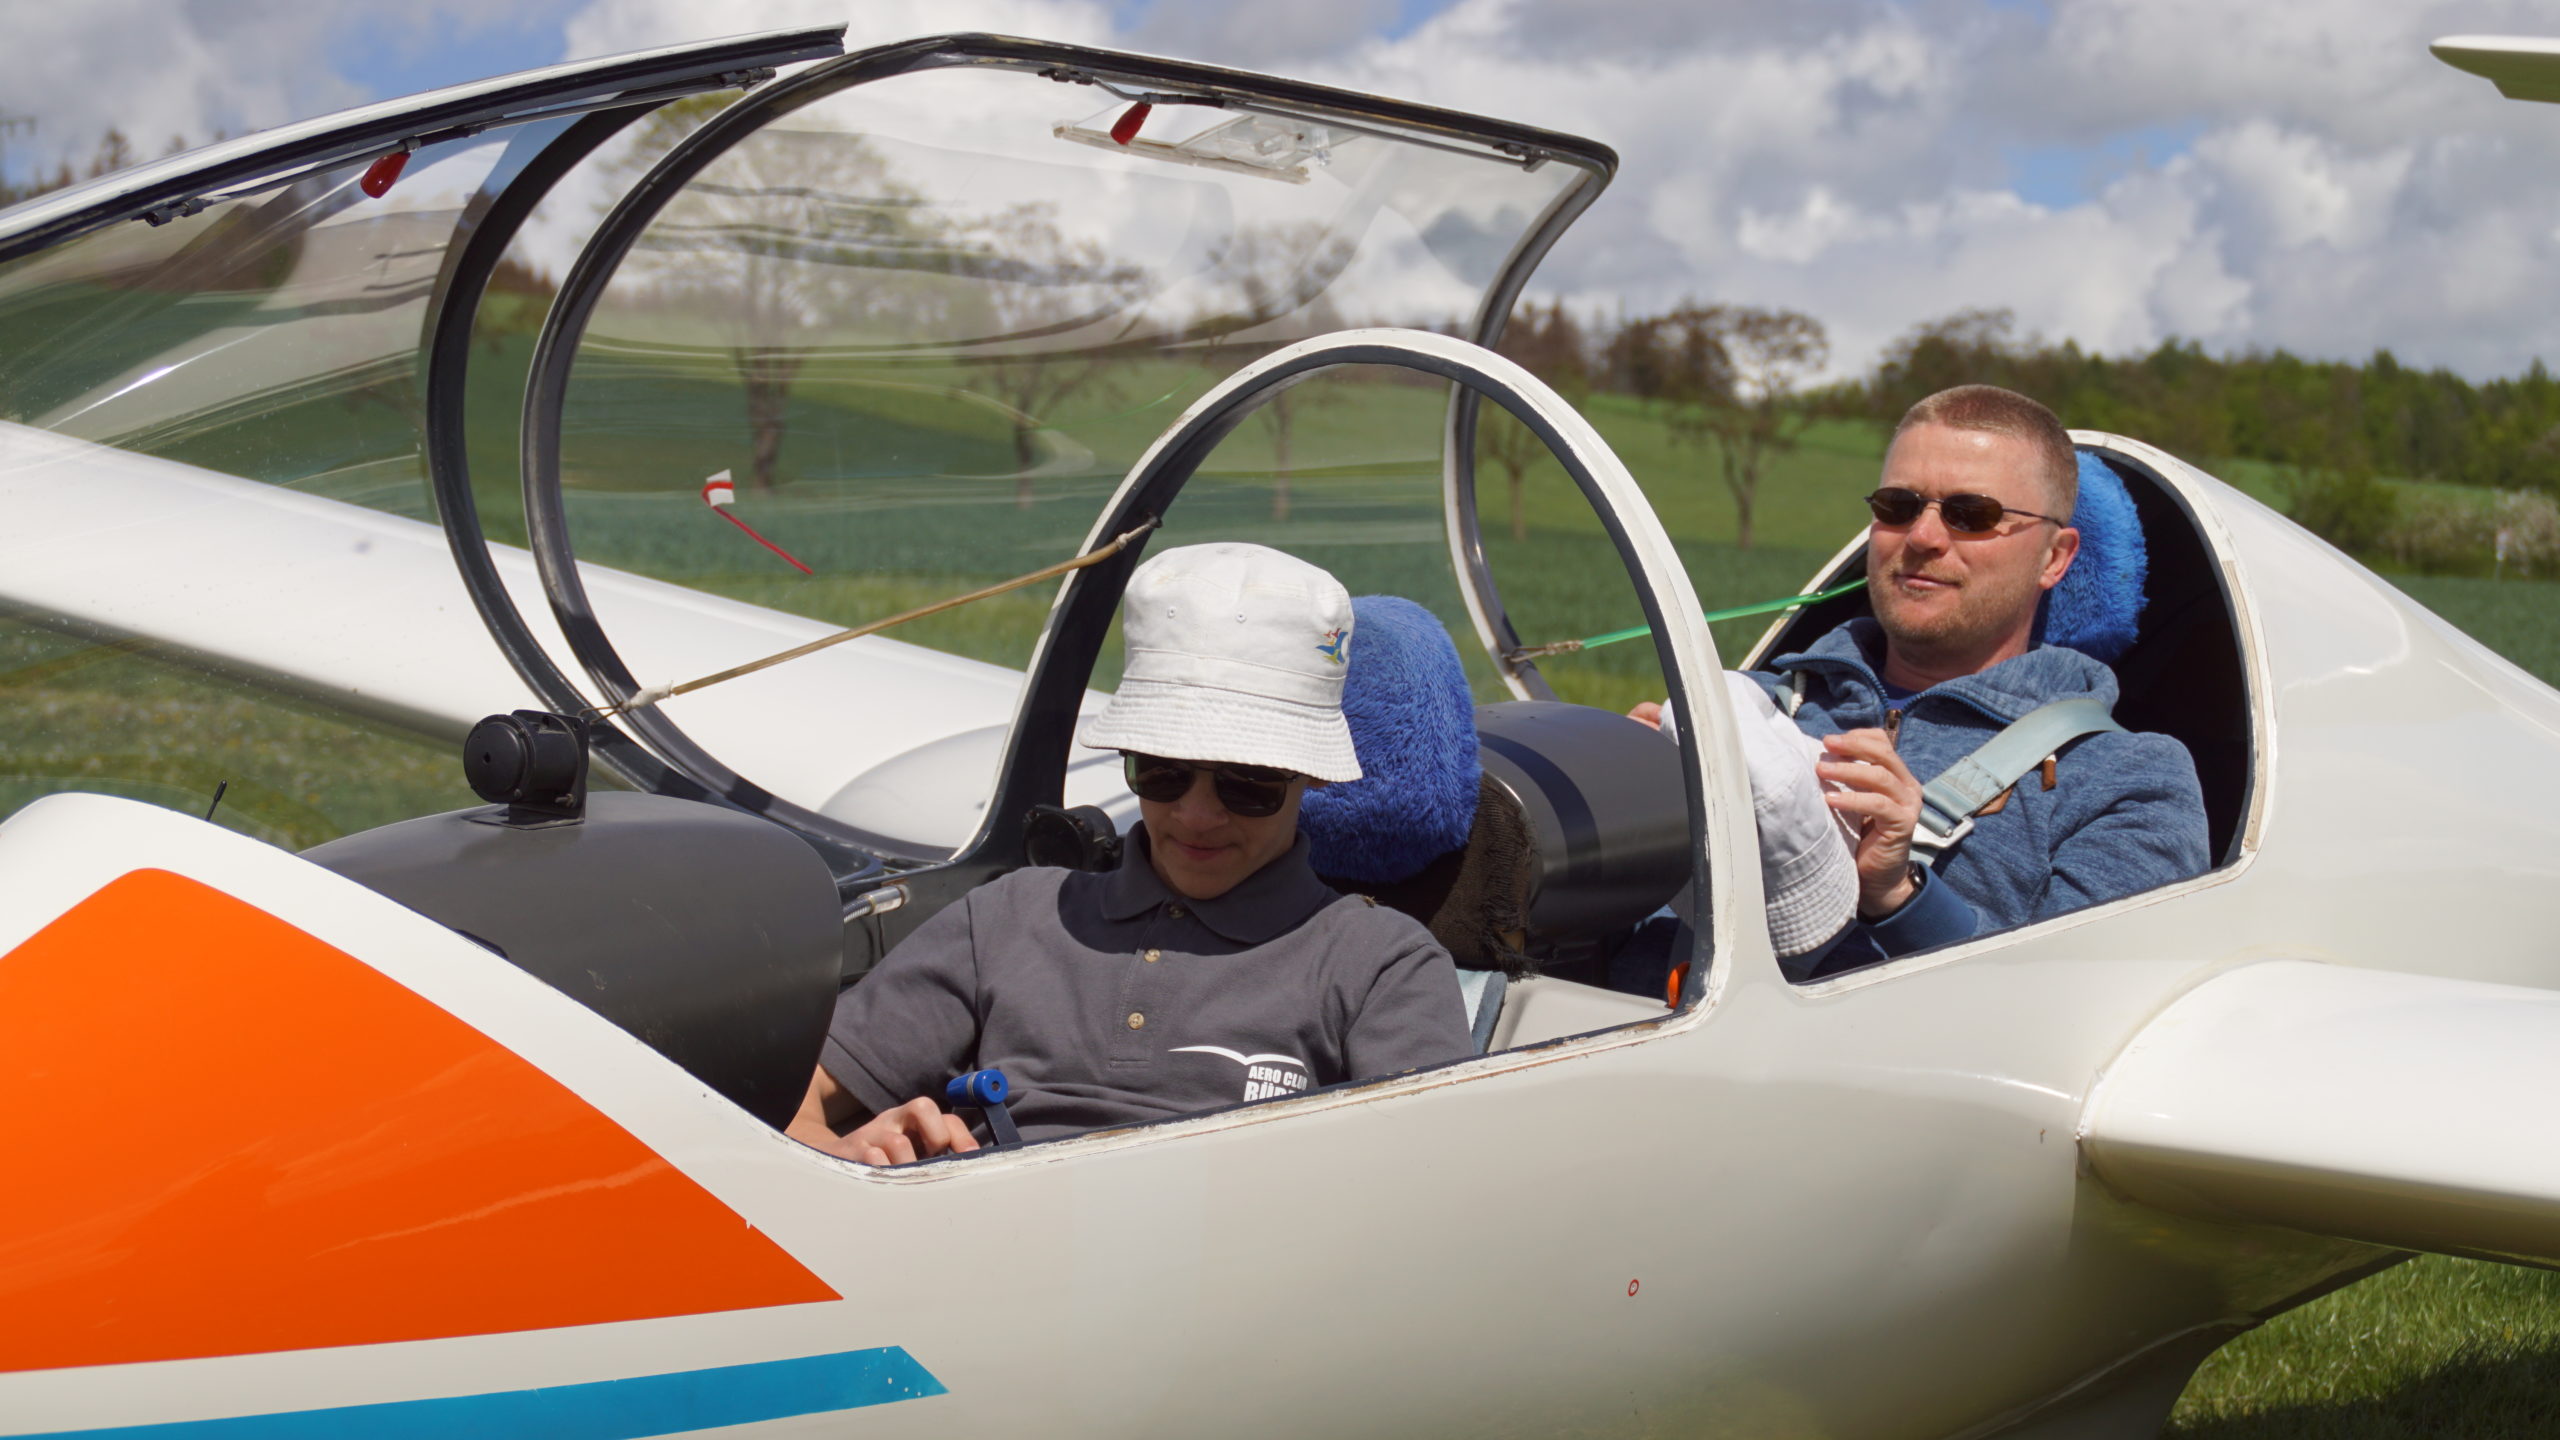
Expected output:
(2441, 1348)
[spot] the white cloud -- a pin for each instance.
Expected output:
(2331, 187)
(609, 26)
(154, 71)
(2343, 190)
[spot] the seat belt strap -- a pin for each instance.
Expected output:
(1949, 803)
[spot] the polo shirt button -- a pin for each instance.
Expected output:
(1174, 910)
(1153, 956)
(1137, 1021)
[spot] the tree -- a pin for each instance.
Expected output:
(1550, 346)
(1767, 355)
(114, 152)
(1966, 348)
(1043, 285)
(1269, 272)
(787, 238)
(1670, 360)
(11, 194)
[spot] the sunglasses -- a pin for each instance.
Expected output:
(1250, 792)
(1963, 514)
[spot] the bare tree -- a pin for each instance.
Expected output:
(784, 240)
(1044, 286)
(1270, 272)
(1767, 355)
(1550, 346)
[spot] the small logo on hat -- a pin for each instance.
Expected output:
(1332, 645)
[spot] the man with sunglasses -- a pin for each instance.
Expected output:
(1972, 525)
(1212, 966)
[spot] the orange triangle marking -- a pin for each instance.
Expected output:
(228, 1137)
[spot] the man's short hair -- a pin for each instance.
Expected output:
(2006, 412)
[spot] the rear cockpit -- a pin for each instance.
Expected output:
(2175, 649)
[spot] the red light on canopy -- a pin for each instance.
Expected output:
(1125, 129)
(379, 176)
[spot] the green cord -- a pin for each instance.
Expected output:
(1738, 612)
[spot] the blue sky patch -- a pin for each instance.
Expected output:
(2061, 176)
(389, 54)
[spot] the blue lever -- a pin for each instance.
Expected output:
(985, 1089)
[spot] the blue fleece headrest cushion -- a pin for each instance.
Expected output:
(2097, 609)
(1413, 722)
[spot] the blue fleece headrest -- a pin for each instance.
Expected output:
(1413, 722)
(2097, 609)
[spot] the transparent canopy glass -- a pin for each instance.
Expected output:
(270, 343)
(923, 327)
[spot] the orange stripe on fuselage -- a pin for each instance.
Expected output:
(223, 1136)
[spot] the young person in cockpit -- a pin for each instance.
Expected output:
(1212, 966)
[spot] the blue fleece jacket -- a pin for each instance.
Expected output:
(2125, 813)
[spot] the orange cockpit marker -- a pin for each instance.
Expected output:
(249, 1140)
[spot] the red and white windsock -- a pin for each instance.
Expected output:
(720, 492)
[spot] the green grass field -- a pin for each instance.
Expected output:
(895, 500)
(2435, 1348)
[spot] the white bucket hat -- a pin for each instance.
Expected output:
(1808, 869)
(1235, 654)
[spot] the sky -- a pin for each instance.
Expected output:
(2284, 173)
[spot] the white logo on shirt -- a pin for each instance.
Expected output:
(1263, 1077)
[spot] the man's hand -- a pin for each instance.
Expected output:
(1648, 712)
(1880, 791)
(915, 1130)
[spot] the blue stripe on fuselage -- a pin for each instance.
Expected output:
(645, 1405)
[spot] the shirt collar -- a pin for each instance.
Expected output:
(1263, 906)
(2003, 693)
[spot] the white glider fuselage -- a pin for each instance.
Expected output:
(2019, 1185)
(1858, 1207)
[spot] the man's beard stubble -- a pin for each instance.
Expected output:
(1950, 636)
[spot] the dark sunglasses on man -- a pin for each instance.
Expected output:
(1963, 514)
(1250, 792)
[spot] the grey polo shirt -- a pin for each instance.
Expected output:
(1107, 999)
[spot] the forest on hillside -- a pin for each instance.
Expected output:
(2411, 468)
